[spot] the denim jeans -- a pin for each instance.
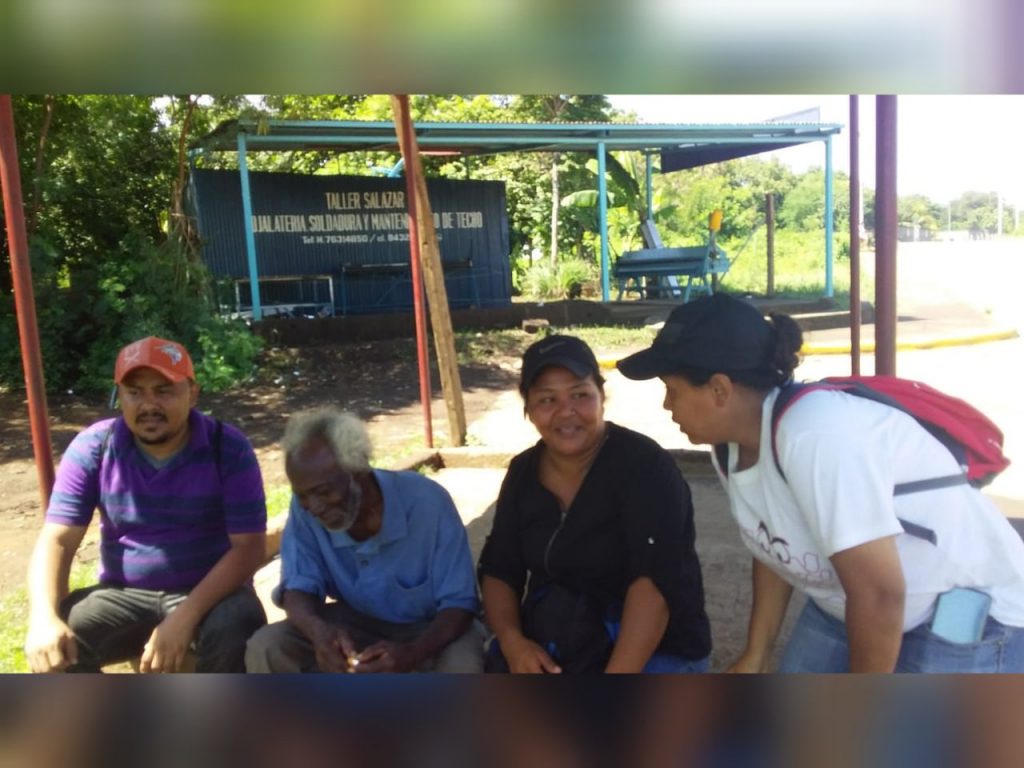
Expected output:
(663, 663)
(667, 663)
(818, 644)
(113, 623)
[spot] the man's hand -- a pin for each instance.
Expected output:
(167, 646)
(386, 656)
(526, 657)
(50, 645)
(334, 648)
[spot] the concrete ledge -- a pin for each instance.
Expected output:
(425, 458)
(476, 457)
(924, 342)
(840, 318)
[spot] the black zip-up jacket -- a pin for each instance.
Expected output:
(632, 517)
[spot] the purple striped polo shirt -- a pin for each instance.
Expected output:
(165, 528)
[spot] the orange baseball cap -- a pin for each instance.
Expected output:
(168, 358)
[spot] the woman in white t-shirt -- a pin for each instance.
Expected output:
(829, 523)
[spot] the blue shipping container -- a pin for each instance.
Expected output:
(344, 240)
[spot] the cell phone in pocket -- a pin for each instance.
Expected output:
(960, 615)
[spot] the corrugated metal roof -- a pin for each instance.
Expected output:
(491, 138)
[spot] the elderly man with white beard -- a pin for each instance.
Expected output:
(376, 571)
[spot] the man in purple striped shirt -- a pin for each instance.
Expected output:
(182, 528)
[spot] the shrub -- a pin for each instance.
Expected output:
(141, 289)
(566, 280)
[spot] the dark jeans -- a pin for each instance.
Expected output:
(113, 623)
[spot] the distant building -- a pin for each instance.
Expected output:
(914, 232)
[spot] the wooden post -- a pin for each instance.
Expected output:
(433, 277)
(769, 215)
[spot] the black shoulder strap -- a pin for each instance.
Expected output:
(722, 455)
(786, 396)
(107, 437)
(218, 433)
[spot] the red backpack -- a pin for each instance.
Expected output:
(972, 438)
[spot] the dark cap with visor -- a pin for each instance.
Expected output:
(563, 351)
(718, 333)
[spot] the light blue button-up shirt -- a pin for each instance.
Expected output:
(416, 565)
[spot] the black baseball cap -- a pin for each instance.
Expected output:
(718, 333)
(564, 351)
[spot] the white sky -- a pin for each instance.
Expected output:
(946, 145)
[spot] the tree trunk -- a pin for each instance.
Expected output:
(555, 205)
(180, 226)
(31, 221)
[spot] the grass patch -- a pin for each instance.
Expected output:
(481, 347)
(799, 267)
(278, 499)
(612, 337)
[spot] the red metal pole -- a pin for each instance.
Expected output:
(886, 229)
(417, 273)
(24, 301)
(855, 318)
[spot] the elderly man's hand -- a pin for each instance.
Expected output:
(333, 647)
(386, 656)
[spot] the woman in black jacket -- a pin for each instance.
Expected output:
(595, 524)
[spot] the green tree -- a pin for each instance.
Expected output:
(103, 173)
(566, 170)
(919, 210)
(976, 211)
(803, 207)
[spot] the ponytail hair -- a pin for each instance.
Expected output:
(787, 339)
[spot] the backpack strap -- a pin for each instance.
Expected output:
(790, 394)
(793, 391)
(218, 433)
(722, 454)
(104, 444)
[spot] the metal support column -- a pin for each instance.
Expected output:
(250, 239)
(854, 236)
(829, 219)
(602, 196)
(650, 187)
(24, 302)
(404, 120)
(886, 230)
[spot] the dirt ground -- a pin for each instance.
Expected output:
(376, 380)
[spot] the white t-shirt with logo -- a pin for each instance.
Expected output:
(842, 455)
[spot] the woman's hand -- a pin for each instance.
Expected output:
(526, 657)
(748, 663)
